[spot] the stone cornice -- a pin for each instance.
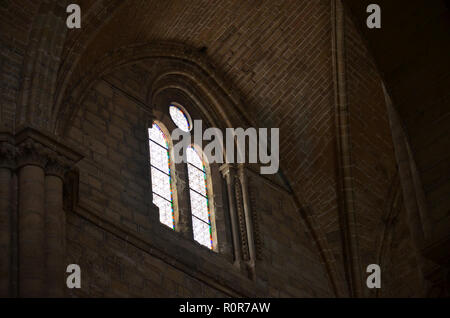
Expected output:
(54, 143)
(33, 147)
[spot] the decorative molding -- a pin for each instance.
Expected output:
(53, 143)
(255, 218)
(344, 154)
(228, 172)
(241, 219)
(34, 147)
(57, 166)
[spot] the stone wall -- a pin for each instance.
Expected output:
(110, 129)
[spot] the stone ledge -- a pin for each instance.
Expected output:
(48, 141)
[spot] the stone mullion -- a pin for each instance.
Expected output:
(184, 202)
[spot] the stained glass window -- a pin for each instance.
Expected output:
(201, 219)
(179, 118)
(161, 178)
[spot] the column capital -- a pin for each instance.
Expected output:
(7, 155)
(43, 149)
(57, 165)
(228, 170)
(30, 152)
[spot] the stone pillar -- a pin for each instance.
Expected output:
(248, 219)
(31, 217)
(55, 227)
(228, 172)
(6, 167)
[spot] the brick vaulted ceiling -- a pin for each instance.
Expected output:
(259, 45)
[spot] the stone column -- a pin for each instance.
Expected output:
(31, 217)
(6, 167)
(55, 226)
(228, 172)
(248, 219)
(41, 162)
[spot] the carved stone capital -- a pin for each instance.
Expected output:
(7, 155)
(45, 150)
(228, 171)
(57, 165)
(30, 152)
